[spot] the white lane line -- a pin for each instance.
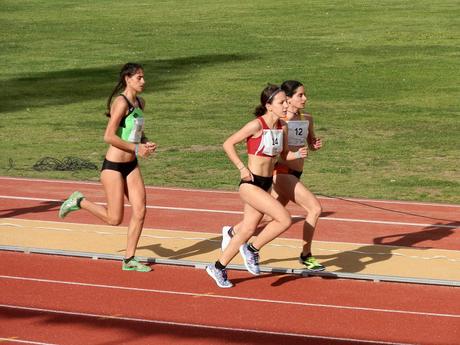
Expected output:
(212, 191)
(20, 341)
(246, 299)
(12, 197)
(204, 210)
(396, 202)
(191, 325)
(447, 226)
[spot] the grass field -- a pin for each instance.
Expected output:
(382, 79)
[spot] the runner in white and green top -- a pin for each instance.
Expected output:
(120, 174)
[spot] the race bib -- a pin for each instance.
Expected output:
(272, 141)
(136, 132)
(297, 133)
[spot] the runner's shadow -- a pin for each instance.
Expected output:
(433, 232)
(124, 329)
(356, 260)
(284, 278)
(236, 281)
(202, 247)
(276, 261)
(350, 261)
(43, 207)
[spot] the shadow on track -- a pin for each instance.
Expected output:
(42, 207)
(108, 330)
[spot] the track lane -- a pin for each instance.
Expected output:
(429, 236)
(98, 329)
(407, 302)
(214, 199)
(315, 307)
(356, 221)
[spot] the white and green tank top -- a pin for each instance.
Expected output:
(132, 125)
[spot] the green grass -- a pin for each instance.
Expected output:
(382, 79)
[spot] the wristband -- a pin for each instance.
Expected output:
(136, 150)
(298, 154)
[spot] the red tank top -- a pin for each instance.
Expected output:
(269, 144)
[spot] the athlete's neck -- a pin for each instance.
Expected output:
(291, 113)
(130, 95)
(271, 120)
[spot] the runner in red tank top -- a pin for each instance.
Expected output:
(266, 139)
(287, 185)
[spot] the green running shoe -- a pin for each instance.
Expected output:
(312, 264)
(135, 265)
(71, 204)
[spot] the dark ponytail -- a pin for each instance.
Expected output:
(266, 96)
(290, 86)
(129, 70)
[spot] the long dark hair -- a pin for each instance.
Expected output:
(266, 96)
(290, 86)
(129, 70)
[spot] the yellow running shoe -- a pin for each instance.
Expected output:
(311, 263)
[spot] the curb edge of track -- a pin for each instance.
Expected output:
(265, 269)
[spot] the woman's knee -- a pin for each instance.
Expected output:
(246, 231)
(312, 207)
(284, 220)
(315, 210)
(114, 219)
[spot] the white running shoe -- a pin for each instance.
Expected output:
(251, 259)
(220, 276)
(226, 236)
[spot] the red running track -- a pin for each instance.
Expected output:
(62, 300)
(44, 299)
(420, 225)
